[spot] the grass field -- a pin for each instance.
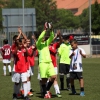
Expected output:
(91, 75)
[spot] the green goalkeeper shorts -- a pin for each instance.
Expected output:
(46, 69)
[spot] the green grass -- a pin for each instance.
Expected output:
(91, 76)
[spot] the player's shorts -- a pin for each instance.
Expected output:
(56, 70)
(32, 70)
(17, 77)
(29, 72)
(6, 61)
(64, 68)
(46, 70)
(76, 75)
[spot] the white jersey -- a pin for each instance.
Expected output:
(76, 60)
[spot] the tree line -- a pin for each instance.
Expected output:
(46, 10)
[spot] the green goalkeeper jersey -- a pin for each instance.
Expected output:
(43, 47)
(63, 52)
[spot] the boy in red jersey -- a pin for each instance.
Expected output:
(31, 62)
(21, 54)
(6, 55)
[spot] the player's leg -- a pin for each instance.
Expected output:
(31, 74)
(4, 69)
(67, 77)
(56, 87)
(24, 82)
(51, 73)
(29, 82)
(61, 75)
(72, 77)
(43, 71)
(81, 81)
(16, 80)
(9, 68)
(40, 83)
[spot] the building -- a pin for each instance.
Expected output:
(76, 6)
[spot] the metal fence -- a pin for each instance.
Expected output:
(10, 37)
(96, 50)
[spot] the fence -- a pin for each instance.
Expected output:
(10, 37)
(96, 50)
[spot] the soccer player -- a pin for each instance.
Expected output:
(17, 86)
(21, 54)
(76, 70)
(53, 51)
(45, 63)
(6, 54)
(64, 63)
(31, 66)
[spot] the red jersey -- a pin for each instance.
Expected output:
(53, 51)
(6, 51)
(20, 61)
(31, 58)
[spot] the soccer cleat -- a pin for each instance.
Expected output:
(30, 94)
(22, 92)
(73, 92)
(26, 98)
(14, 97)
(49, 93)
(47, 96)
(18, 96)
(4, 74)
(82, 93)
(58, 95)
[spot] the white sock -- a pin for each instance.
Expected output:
(56, 87)
(4, 69)
(9, 68)
(25, 89)
(28, 85)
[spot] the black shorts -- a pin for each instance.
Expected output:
(76, 75)
(64, 68)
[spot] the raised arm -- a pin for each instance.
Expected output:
(50, 39)
(40, 38)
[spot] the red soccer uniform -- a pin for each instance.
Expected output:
(31, 58)
(53, 51)
(20, 61)
(6, 51)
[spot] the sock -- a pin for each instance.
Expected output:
(68, 83)
(44, 89)
(41, 89)
(4, 69)
(25, 89)
(56, 87)
(16, 88)
(82, 88)
(9, 68)
(28, 86)
(73, 87)
(49, 85)
(62, 81)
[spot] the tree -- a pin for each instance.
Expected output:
(66, 19)
(45, 11)
(95, 18)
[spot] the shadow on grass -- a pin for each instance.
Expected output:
(74, 94)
